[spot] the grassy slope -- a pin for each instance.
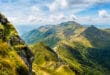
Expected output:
(107, 30)
(47, 62)
(73, 58)
(86, 56)
(82, 50)
(10, 62)
(84, 60)
(51, 34)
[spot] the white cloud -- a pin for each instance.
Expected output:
(23, 12)
(57, 5)
(73, 17)
(63, 3)
(32, 18)
(75, 5)
(103, 18)
(35, 9)
(54, 18)
(103, 14)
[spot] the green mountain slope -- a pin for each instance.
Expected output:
(88, 49)
(107, 30)
(85, 51)
(97, 37)
(52, 34)
(48, 63)
(15, 57)
(10, 62)
(86, 62)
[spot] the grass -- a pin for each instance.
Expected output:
(43, 54)
(47, 62)
(10, 62)
(79, 56)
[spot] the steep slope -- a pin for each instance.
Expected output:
(52, 34)
(97, 37)
(79, 54)
(89, 50)
(86, 61)
(48, 63)
(14, 53)
(85, 51)
(10, 62)
(107, 30)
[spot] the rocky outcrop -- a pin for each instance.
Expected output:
(9, 34)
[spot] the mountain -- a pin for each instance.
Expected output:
(107, 30)
(25, 28)
(89, 50)
(97, 37)
(52, 34)
(83, 50)
(47, 62)
(64, 49)
(15, 57)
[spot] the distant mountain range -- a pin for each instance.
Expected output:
(83, 50)
(21, 29)
(52, 34)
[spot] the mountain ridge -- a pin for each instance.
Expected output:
(84, 49)
(52, 31)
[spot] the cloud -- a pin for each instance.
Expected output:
(54, 18)
(57, 5)
(49, 11)
(35, 9)
(103, 18)
(74, 5)
(103, 14)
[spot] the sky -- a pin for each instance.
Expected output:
(43, 12)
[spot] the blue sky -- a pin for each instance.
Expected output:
(42, 12)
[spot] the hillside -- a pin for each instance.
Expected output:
(15, 57)
(47, 62)
(52, 34)
(90, 48)
(107, 30)
(86, 51)
(97, 37)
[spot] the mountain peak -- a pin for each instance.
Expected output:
(70, 23)
(91, 30)
(92, 27)
(94, 34)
